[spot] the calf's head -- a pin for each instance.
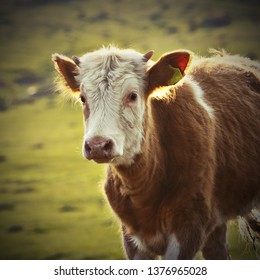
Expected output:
(113, 86)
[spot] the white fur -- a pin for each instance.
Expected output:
(199, 96)
(173, 248)
(138, 243)
(147, 247)
(107, 76)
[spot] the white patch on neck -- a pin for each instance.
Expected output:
(198, 94)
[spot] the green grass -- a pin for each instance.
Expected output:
(51, 200)
(54, 195)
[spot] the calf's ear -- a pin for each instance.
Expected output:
(168, 70)
(68, 70)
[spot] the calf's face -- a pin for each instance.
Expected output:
(112, 87)
(112, 96)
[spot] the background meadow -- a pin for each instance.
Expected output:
(51, 200)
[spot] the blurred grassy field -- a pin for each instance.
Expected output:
(51, 200)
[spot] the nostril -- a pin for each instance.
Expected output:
(108, 146)
(87, 149)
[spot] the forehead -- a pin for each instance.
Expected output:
(107, 68)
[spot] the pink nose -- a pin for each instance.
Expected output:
(99, 149)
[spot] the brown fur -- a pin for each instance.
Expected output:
(68, 71)
(195, 173)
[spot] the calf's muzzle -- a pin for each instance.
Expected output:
(99, 149)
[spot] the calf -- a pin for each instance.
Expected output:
(181, 138)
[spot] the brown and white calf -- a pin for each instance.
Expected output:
(183, 151)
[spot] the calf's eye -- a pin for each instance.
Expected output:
(82, 98)
(132, 97)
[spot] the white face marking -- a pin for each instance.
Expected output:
(199, 96)
(173, 248)
(109, 80)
